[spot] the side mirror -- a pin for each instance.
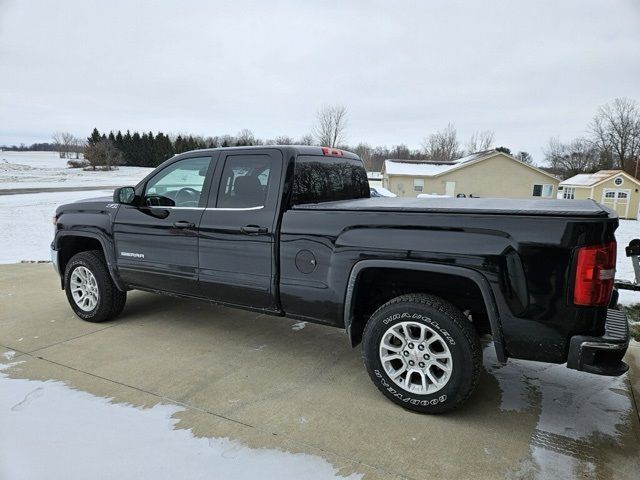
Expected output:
(124, 195)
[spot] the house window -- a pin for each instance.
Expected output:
(569, 193)
(618, 181)
(545, 190)
(418, 184)
(610, 194)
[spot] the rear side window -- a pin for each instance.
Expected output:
(327, 179)
(245, 181)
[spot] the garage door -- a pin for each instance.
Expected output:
(617, 199)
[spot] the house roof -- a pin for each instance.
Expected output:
(429, 168)
(592, 179)
(419, 168)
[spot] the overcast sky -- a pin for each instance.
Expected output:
(527, 70)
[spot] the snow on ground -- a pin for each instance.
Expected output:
(26, 230)
(577, 412)
(47, 169)
(48, 427)
(628, 230)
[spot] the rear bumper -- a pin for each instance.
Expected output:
(602, 355)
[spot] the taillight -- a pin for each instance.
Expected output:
(334, 152)
(595, 270)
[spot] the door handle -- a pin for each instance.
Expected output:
(253, 230)
(184, 224)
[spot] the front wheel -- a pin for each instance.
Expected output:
(90, 290)
(422, 353)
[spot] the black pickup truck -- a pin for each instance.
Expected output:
(292, 231)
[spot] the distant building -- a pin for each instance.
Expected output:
(612, 188)
(483, 174)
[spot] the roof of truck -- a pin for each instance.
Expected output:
(299, 149)
(491, 206)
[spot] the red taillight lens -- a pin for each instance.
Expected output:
(595, 271)
(334, 152)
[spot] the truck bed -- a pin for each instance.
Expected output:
(490, 206)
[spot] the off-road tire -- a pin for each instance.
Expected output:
(452, 325)
(110, 302)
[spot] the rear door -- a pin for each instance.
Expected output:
(157, 241)
(237, 231)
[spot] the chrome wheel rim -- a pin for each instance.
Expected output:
(84, 289)
(416, 357)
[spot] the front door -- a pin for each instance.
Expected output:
(617, 199)
(157, 240)
(236, 247)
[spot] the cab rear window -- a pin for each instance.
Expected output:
(327, 179)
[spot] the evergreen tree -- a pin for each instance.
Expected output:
(94, 138)
(136, 148)
(127, 149)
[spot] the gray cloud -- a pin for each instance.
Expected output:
(527, 70)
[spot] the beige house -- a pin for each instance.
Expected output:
(482, 174)
(612, 188)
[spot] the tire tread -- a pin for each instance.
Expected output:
(457, 317)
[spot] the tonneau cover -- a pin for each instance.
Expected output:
(492, 206)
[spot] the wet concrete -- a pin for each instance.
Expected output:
(269, 382)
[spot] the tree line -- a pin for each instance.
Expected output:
(612, 141)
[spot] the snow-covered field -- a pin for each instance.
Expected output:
(47, 169)
(48, 427)
(26, 230)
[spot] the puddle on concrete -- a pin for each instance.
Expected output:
(50, 430)
(584, 421)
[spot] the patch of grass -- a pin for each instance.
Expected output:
(633, 314)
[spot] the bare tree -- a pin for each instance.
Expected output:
(103, 154)
(306, 139)
(64, 142)
(331, 123)
(615, 131)
(480, 141)
(245, 137)
(281, 140)
(569, 159)
(524, 157)
(365, 152)
(443, 145)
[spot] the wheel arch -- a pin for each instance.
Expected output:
(354, 293)
(69, 244)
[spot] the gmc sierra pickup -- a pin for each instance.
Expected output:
(292, 231)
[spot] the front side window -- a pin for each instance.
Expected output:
(178, 185)
(245, 181)
(418, 185)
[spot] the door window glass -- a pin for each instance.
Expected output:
(178, 185)
(245, 181)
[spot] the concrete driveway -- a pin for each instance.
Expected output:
(277, 383)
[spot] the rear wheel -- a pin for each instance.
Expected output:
(90, 290)
(422, 353)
